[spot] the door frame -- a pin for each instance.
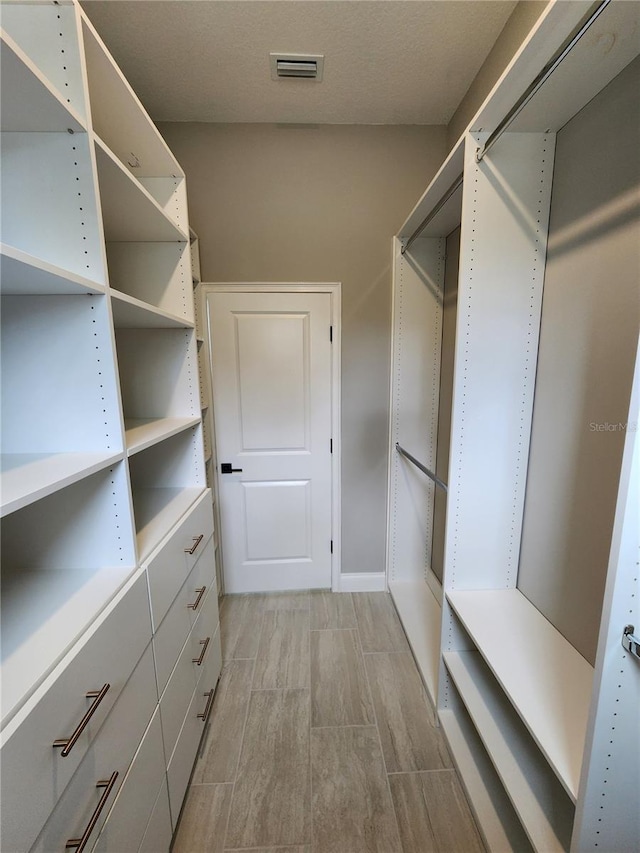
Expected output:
(334, 289)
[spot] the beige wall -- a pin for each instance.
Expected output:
(513, 34)
(286, 204)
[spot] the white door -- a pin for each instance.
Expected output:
(271, 370)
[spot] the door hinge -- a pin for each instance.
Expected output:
(331, 445)
(332, 546)
(331, 334)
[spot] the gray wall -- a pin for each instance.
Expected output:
(590, 320)
(286, 204)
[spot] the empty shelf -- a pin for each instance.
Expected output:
(27, 477)
(546, 679)
(145, 432)
(132, 313)
(23, 274)
(421, 617)
(156, 511)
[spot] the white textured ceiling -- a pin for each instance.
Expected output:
(387, 61)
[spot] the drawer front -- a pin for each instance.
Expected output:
(170, 637)
(205, 636)
(157, 838)
(34, 774)
(176, 697)
(169, 566)
(210, 675)
(110, 753)
(127, 821)
(181, 763)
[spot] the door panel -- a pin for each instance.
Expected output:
(271, 369)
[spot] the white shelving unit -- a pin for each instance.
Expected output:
(102, 446)
(543, 732)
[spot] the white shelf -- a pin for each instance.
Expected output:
(27, 477)
(156, 511)
(29, 102)
(497, 821)
(536, 794)
(129, 212)
(421, 617)
(142, 433)
(548, 682)
(23, 274)
(132, 313)
(43, 614)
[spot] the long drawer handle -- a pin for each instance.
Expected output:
(201, 591)
(204, 644)
(81, 843)
(196, 541)
(207, 707)
(67, 744)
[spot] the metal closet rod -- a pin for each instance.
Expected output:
(543, 76)
(436, 210)
(422, 467)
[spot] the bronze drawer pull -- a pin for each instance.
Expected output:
(81, 843)
(207, 707)
(69, 743)
(196, 541)
(201, 591)
(204, 644)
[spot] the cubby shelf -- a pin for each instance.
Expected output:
(141, 433)
(421, 616)
(156, 511)
(542, 805)
(28, 477)
(548, 682)
(132, 313)
(129, 211)
(29, 101)
(23, 274)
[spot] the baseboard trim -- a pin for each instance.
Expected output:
(363, 582)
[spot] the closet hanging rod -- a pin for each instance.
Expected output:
(445, 198)
(543, 76)
(422, 467)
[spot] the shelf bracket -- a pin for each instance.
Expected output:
(630, 642)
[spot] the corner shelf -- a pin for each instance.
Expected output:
(141, 433)
(548, 682)
(132, 313)
(23, 274)
(28, 477)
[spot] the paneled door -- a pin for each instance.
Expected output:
(271, 372)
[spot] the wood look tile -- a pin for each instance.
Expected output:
(271, 800)
(351, 807)
(305, 848)
(240, 623)
(295, 600)
(410, 739)
(339, 690)
(433, 814)
(204, 820)
(283, 652)
(332, 610)
(220, 750)
(378, 623)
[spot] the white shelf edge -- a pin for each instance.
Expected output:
(142, 433)
(535, 792)
(35, 78)
(546, 680)
(421, 617)
(38, 270)
(498, 824)
(157, 510)
(33, 476)
(130, 309)
(114, 162)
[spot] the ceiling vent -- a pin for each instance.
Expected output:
(303, 65)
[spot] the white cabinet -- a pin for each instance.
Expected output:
(102, 442)
(519, 638)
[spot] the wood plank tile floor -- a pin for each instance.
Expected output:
(321, 738)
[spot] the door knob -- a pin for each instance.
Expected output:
(225, 468)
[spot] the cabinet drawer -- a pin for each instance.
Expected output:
(157, 837)
(176, 697)
(127, 821)
(170, 564)
(170, 637)
(181, 762)
(110, 753)
(34, 774)
(205, 636)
